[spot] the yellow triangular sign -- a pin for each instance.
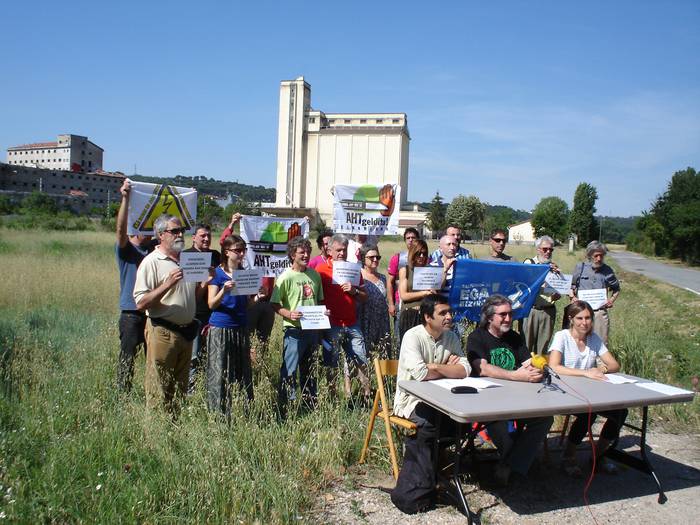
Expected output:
(164, 200)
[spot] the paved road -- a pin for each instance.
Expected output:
(685, 278)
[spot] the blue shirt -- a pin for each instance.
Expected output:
(128, 259)
(231, 312)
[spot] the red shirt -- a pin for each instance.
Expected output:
(341, 304)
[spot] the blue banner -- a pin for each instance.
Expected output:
(474, 281)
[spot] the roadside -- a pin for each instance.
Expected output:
(629, 497)
(686, 278)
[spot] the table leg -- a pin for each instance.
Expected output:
(643, 464)
(462, 500)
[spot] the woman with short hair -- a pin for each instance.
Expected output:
(576, 351)
(374, 313)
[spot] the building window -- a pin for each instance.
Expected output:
(312, 120)
(395, 121)
(346, 121)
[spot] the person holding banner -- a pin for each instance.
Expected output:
(201, 242)
(499, 239)
(341, 300)
(130, 251)
(538, 326)
(297, 287)
(228, 344)
(374, 313)
(410, 299)
(576, 351)
(170, 304)
(495, 350)
(591, 281)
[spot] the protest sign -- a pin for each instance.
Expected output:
(267, 239)
(314, 318)
(346, 272)
(247, 282)
(474, 281)
(366, 209)
(149, 201)
(596, 298)
(559, 282)
(195, 266)
(427, 278)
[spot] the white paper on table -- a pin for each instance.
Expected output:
(195, 266)
(247, 282)
(617, 379)
(314, 318)
(346, 272)
(558, 282)
(427, 278)
(476, 382)
(596, 298)
(664, 389)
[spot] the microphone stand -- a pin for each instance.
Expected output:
(547, 384)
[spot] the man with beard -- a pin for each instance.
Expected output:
(130, 251)
(499, 239)
(538, 326)
(170, 304)
(594, 274)
(495, 350)
(201, 242)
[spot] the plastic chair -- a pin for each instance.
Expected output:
(385, 368)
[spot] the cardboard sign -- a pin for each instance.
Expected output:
(195, 266)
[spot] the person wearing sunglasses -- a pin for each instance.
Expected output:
(499, 239)
(538, 326)
(170, 304)
(410, 299)
(374, 313)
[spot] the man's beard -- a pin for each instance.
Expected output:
(178, 245)
(504, 328)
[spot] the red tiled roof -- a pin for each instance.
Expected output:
(36, 145)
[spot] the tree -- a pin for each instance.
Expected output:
(550, 217)
(467, 212)
(500, 217)
(581, 219)
(436, 214)
(37, 203)
(208, 211)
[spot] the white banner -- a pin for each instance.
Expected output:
(195, 266)
(596, 297)
(247, 282)
(267, 239)
(559, 282)
(366, 209)
(148, 201)
(427, 278)
(346, 272)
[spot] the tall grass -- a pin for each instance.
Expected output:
(71, 450)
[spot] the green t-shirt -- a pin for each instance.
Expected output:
(293, 289)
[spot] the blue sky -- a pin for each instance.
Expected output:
(509, 101)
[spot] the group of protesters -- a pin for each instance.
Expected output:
(193, 328)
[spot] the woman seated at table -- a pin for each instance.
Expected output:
(575, 351)
(410, 300)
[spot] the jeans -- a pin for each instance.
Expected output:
(299, 347)
(131, 334)
(518, 451)
(352, 341)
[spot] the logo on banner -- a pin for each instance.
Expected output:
(366, 209)
(267, 240)
(150, 201)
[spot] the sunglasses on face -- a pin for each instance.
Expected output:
(547, 249)
(175, 231)
(237, 250)
(499, 241)
(422, 254)
(374, 257)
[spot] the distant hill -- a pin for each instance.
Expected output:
(218, 188)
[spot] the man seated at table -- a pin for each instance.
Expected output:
(428, 351)
(496, 350)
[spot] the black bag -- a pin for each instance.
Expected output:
(415, 489)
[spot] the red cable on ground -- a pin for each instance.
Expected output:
(590, 438)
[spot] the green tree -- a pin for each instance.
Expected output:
(550, 217)
(436, 214)
(500, 217)
(467, 212)
(208, 211)
(38, 203)
(582, 220)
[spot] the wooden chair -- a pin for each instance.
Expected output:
(385, 368)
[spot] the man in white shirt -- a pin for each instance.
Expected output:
(428, 351)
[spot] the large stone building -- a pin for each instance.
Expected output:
(68, 153)
(318, 150)
(79, 191)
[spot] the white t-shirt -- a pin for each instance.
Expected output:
(572, 357)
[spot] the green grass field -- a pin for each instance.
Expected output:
(72, 451)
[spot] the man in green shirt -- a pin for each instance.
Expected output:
(297, 286)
